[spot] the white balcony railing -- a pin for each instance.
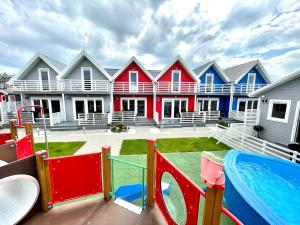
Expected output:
(214, 89)
(192, 117)
(140, 87)
(247, 88)
(92, 119)
(61, 85)
(176, 87)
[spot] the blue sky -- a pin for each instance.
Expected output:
(229, 32)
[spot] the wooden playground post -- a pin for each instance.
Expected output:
(13, 129)
(44, 177)
(29, 130)
(150, 171)
(106, 170)
(213, 205)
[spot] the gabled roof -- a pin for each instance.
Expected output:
(53, 63)
(133, 59)
(75, 62)
(278, 83)
(183, 64)
(201, 69)
(236, 73)
(111, 71)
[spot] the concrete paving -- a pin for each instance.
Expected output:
(95, 139)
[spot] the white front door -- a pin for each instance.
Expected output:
(137, 105)
(172, 108)
(87, 106)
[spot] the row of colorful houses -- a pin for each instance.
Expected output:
(86, 91)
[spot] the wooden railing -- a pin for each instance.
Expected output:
(214, 89)
(92, 119)
(123, 116)
(192, 117)
(61, 85)
(176, 87)
(247, 88)
(242, 140)
(140, 87)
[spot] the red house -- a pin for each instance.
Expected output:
(132, 92)
(175, 90)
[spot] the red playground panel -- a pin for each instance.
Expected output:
(4, 137)
(189, 189)
(24, 147)
(75, 176)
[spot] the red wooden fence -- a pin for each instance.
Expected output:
(75, 176)
(24, 147)
(4, 137)
(191, 192)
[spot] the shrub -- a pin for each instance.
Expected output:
(119, 128)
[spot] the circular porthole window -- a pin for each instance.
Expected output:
(173, 198)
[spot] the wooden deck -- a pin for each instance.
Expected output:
(96, 211)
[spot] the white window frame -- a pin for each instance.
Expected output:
(251, 87)
(212, 82)
(85, 100)
(84, 68)
(179, 83)
(40, 70)
(133, 88)
(296, 122)
(209, 103)
(172, 100)
(135, 104)
(270, 109)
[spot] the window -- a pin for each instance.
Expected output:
(279, 110)
(176, 80)
(242, 106)
(55, 104)
(133, 81)
(44, 77)
(209, 82)
(87, 106)
(251, 82)
(208, 104)
(86, 76)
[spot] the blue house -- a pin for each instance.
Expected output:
(213, 92)
(246, 78)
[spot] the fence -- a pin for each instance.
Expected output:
(124, 116)
(192, 117)
(242, 140)
(92, 119)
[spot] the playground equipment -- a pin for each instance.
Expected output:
(66, 178)
(18, 194)
(43, 118)
(267, 189)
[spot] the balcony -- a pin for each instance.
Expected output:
(245, 89)
(140, 87)
(164, 87)
(61, 86)
(221, 89)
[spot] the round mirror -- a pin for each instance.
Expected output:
(173, 198)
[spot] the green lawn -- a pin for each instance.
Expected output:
(168, 145)
(60, 148)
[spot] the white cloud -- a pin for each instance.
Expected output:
(230, 32)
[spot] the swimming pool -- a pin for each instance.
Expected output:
(261, 189)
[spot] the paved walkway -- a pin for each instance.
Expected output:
(95, 139)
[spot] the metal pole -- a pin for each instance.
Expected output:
(45, 131)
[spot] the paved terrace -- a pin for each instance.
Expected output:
(97, 138)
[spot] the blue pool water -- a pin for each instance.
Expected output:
(281, 194)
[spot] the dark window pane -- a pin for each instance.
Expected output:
(242, 106)
(55, 106)
(213, 105)
(205, 105)
(279, 111)
(255, 104)
(98, 106)
(183, 106)
(79, 107)
(90, 106)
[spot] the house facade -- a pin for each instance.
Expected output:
(214, 90)
(175, 90)
(245, 78)
(133, 90)
(280, 110)
(85, 93)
